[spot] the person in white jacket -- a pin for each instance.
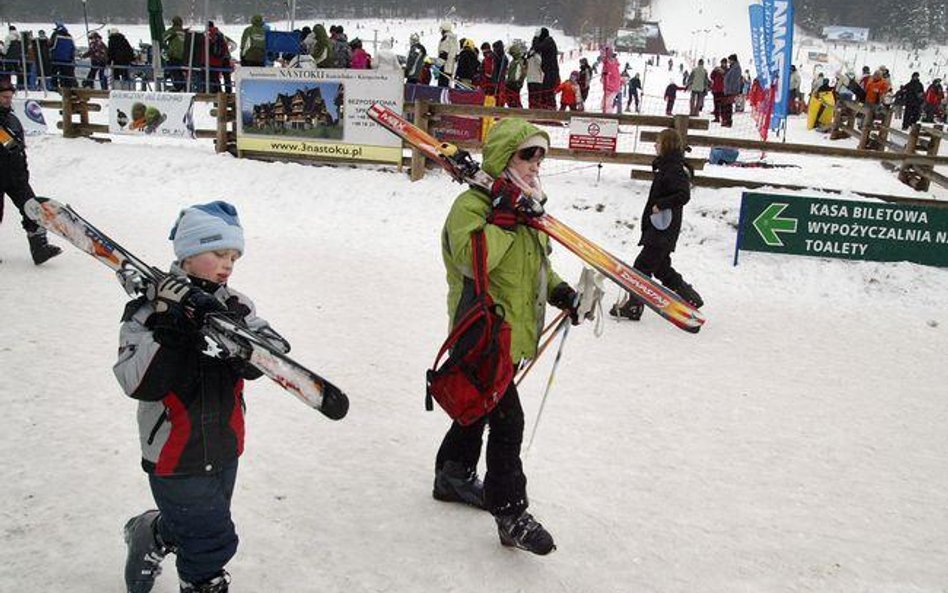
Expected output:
(447, 52)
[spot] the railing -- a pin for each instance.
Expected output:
(78, 103)
(424, 111)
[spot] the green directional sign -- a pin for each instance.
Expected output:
(847, 229)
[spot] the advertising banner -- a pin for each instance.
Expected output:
(30, 115)
(593, 135)
(844, 229)
(838, 33)
(781, 57)
(318, 114)
(455, 128)
(759, 44)
(166, 115)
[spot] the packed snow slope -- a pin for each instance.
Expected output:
(796, 444)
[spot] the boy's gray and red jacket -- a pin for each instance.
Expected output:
(191, 406)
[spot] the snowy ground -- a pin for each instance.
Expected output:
(796, 444)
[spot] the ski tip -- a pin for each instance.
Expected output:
(335, 404)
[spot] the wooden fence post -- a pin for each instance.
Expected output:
(68, 132)
(220, 142)
(934, 143)
(866, 127)
(681, 126)
(910, 146)
(883, 135)
(417, 158)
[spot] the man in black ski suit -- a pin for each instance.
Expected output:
(914, 97)
(15, 175)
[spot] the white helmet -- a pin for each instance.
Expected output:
(446, 27)
(414, 38)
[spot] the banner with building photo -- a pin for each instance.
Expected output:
(164, 115)
(839, 33)
(318, 114)
(30, 114)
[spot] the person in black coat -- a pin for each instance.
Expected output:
(121, 55)
(15, 174)
(661, 224)
(550, 64)
(914, 97)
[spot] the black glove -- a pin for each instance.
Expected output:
(565, 298)
(176, 295)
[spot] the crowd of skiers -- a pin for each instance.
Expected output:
(502, 72)
(913, 101)
(39, 60)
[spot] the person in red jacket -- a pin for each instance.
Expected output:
(219, 53)
(717, 88)
(571, 94)
(934, 97)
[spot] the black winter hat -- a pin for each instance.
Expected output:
(6, 85)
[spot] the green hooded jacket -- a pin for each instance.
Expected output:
(174, 42)
(322, 49)
(521, 278)
(253, 43)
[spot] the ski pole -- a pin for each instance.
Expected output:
(549, 382)
(558, 321)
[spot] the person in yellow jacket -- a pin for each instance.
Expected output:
(522, 281)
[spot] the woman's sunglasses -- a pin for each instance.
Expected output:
(531, 152)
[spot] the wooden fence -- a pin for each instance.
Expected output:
(424, 112)
(76, 104)
(877, 135)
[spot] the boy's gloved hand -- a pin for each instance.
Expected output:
(176, 293)
(564, 297)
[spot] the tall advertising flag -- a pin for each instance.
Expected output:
(759, 44)
(761, 98)
(781, 54)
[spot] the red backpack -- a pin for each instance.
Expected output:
(478, 369)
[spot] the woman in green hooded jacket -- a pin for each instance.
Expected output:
(522, 282)
(322, 48)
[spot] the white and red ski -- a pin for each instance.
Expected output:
(265, 350)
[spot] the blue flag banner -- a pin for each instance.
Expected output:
(769, 10)
(780, 57)
(759, 44)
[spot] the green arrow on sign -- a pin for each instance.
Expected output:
(768, 224)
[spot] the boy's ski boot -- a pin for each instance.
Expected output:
(40, 249)
(524, 532)
(145, 552)
(219, 584)
(455, 482)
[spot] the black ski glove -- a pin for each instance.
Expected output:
(175, 293)
(565, 298)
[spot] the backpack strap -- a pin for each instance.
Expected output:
(479, 310)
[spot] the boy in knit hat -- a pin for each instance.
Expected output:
(191, 405)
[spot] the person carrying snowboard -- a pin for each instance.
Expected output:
(661, 224)
(520, 280)
(191, 405)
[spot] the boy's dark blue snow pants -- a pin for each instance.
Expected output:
(195, 521)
